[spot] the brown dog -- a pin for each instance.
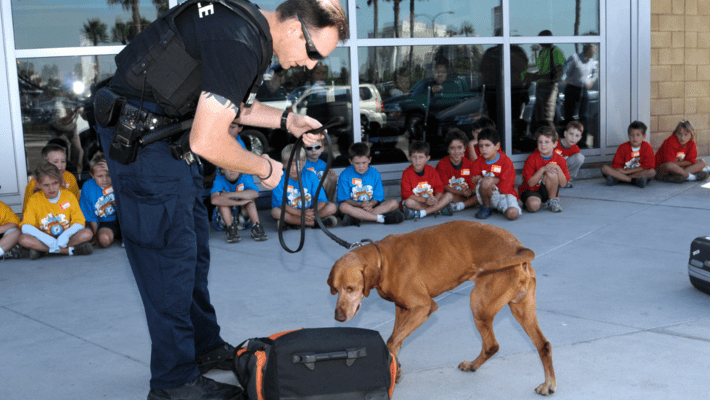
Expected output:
(412, 268)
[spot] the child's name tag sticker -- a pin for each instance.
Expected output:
(553, 162)
(558, 151)
(65, 205)
(465, 172)
(240, 187)
(680, 156)
(496, 169)
(357, 182)
(108, 190)
(635, 154)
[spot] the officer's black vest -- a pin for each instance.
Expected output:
(156, 60)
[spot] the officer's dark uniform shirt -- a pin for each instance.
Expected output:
(228, 47)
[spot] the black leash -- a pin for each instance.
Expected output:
(296, 150)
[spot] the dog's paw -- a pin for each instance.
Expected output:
(399, 376)
(467, 366)
(546, 389)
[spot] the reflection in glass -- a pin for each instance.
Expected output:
(74, 23)
(439, 89)
(417, 19)
(564, 18)
(53, 95)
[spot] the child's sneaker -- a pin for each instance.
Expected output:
(610, 181)
(448, 210)
(554, 205)
(329, 222)
(409, 213)
(641, 182)
(393, 217)
(83, 249)
(702, 175)
(257, 233)
(484, 212)
(233, 234)
(14, 253)
(672, 178)
(35, 254)
(349, 220)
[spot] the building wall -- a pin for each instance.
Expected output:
(680, 69)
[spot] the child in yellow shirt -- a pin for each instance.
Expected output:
(57, 155)
(9, 233)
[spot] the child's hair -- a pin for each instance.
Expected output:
(418, 146)
(47, 169)
(682, 125)
(286, 153)
(546, 130)
(455, 134)
(641, 126)
(489, 134)
(482, 123)
(98, 160)
(359, 150)
(576, 125)
(51, 147)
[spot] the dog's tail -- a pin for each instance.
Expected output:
(522, 255)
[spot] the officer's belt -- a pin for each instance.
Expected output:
(109, 107)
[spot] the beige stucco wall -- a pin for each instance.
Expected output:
(680, 69)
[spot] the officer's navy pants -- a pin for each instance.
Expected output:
(165, 229)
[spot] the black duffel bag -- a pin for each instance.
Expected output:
(317, 364)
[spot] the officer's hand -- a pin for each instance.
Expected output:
(276, 173)
(297, 124)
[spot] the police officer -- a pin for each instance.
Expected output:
(203, 58)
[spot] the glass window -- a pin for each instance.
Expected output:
(563, 18)
(427, 90)
(77, 23)
(53, 93)
(567, 91)
(417, 19)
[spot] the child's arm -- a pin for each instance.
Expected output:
(4, 228)
(535, 178)
(45, 238)
(472, 149)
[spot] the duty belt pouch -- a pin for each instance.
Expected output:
(107, 107)
(317, 364)
(124, 145)
(699, 263)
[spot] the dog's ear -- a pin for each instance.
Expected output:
(330, 280)
(372, 275)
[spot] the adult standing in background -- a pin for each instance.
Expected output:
(581, 72)
(205, 58)
(550, 63)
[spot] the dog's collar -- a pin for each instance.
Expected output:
(382, 260)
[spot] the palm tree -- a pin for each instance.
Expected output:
(396, 17)
(134, 7)
(373, 3)
(119, 32)
(577, 12)
(161, 6)
(467, 29)
(95, 30)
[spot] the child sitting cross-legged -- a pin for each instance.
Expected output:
(315, 164)
(57, 155)
(98, 203)
(233, 196)
(455, 171)
(494, 177)
(568, 149)
(544, 173)
(361, 196)
(677, 159)
(633, 161)
(296, 205)
(53, 221)
(421, 187)
(9, 233)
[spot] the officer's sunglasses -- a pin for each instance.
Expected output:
(311, 50)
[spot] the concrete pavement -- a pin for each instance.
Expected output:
(613, 294)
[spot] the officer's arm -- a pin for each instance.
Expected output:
(209, 139)
(269, 117)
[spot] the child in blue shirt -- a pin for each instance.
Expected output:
(295, 205)
(315, 164)
(233, 196)
(360, 192)
(98, 203)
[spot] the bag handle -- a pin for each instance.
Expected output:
(310, 359)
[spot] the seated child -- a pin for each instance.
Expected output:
(633, 161)
(544, 172)
(494, 177)
(315, 164)
(234, 129)
(56, 155)
(361, 194)
(98, 203)
(9, 233)
(676, 160)
(53, 221)
(295, 205)
(422, 190)
(455, 171)
(568, 149)
(472, 151)
(233, 195)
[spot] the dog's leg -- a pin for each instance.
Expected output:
(407, 320)
(487, 298)
(524, 312)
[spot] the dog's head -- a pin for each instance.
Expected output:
(352, 277)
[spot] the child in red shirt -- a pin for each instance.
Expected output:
(494, 176)
(455, 171)
(676, 160)
(544, 173)
(633, 162)
(421, 187)
(472, 150)
(568, 149)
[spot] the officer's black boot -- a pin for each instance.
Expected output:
(200, 388)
